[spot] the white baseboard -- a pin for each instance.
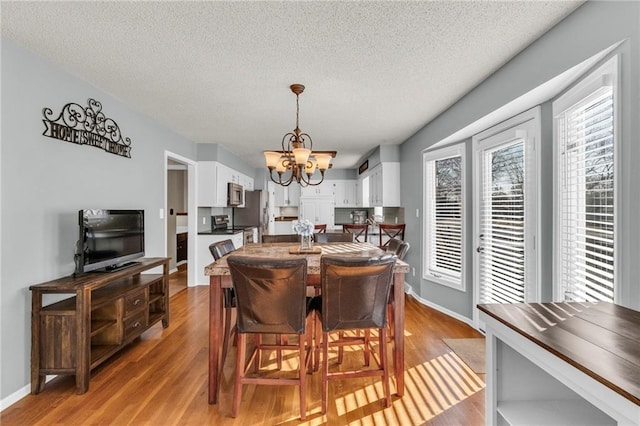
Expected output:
(19, 394)
(408, 289)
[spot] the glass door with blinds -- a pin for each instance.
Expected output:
(505, 220)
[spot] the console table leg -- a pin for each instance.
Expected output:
(83, 350)
(37, 379)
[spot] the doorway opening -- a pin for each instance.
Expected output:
(180, 220)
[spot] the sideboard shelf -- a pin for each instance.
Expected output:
(107, 312)
(563, 363)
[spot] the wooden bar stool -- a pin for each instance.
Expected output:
(391, 231)
(344, 280)
(271, 298)
(360, 232)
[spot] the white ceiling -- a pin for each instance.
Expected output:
(219, 72)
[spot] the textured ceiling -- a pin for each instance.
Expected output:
(219, 72)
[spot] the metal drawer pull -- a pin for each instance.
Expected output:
(136, 302)
(137, 324)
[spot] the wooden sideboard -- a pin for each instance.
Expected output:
(562, 363)
(109, 310)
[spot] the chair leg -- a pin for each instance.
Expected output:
(279, 351)
(303, 376)
(384, 360)
(240, 360)
(340, 348)
(256, 366)
(367, 348)
(227, 333)
(325, 371)
(318, 340)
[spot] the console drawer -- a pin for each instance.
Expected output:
(135, 325)
(135, 301)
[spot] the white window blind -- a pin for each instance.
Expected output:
(586, 196)
(502, 221)
(444, 217)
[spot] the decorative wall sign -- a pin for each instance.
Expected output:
(363, 167)
(86, 126)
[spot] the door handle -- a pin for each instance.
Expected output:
(480, 249)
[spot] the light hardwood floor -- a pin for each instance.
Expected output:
(162, 380)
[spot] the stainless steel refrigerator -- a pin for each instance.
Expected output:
(257, 211)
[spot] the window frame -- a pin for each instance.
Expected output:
(438, 276)
(607, 73)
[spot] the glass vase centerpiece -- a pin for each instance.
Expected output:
(304, 228)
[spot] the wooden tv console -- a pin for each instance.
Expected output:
(109, 310)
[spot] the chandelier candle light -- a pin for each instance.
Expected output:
(304, 228)
(297, 160)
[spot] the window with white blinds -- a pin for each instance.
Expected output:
(444, 179)
(586, 241)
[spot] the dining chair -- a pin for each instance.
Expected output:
(391, 231)
(218, 250)
(400, 249)
(360, 232)
(320, 229)
(334, 237)
(271, 299)
(343, 280)
(281, 238)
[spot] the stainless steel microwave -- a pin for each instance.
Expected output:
(235, 195)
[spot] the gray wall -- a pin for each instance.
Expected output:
(46, 181)
(592, 28)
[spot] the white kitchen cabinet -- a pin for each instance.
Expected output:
(213, 179)
(287, 196)
(207, 183)
(345, 193)
(384, 185)
(319, 210)
(223, 176)
(247, 182)
(325, 188)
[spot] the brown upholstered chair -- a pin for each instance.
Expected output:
(334, 237)
(281, 238)
(391, 231)
(344, 280)
(219, 249)
(271, 298)
(398, 247)
(320, 229)
(360, 232)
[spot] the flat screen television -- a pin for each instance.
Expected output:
(109, 239)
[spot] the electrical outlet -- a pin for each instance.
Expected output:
(161, 213)
(204, 220)
(413, 271)
(417, 212)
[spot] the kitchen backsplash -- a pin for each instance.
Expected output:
(391, 214)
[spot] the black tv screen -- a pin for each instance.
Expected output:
(110, 238)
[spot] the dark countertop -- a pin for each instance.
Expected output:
(285, 218)
(221, 232)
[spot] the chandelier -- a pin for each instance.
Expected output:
(296, 161)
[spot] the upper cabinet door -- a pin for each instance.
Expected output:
(325, 188)
(206, 183)
(345, 193)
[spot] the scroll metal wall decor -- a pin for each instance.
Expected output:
(86, 126)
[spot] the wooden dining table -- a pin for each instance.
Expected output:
(219, 278)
